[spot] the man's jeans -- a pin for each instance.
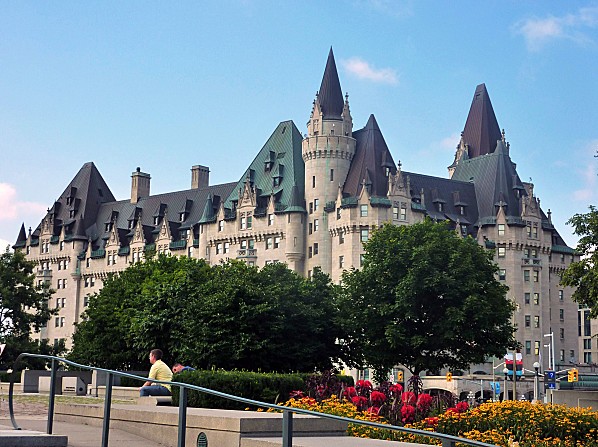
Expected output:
(154, 390)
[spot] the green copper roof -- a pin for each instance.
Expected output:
(563, 249)
(275, 170)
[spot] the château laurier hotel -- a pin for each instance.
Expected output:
(312, 200)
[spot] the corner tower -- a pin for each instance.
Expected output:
(327, 150)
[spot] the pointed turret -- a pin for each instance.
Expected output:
(21, 239)
(481, 130)
(208, 211)
(330, 95)
(296, 202)
(372, 158)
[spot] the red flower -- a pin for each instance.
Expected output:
(350, 391)
(364, 384)
(373, 410)
(407, 413)
(296, 394)
(424, 402)
(408, 397)
(462, 407)
(359, 401)
(377, 397)
(431, 422)
(395, 389)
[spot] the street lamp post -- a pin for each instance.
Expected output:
(506, 391)
(536, 381)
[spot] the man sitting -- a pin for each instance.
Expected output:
(158, 371)
(177, 368)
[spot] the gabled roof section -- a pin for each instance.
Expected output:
(269, 178)
(481, 130)
(496, 184)
(78, 205)
(444, 194)
(330, 95)
(372, 159)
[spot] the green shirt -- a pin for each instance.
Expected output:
(160, 371)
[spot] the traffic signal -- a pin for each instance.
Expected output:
(400, 376)
(575, 374)
(449, 377)
(570, 376)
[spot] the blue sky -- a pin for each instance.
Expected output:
(167, 85)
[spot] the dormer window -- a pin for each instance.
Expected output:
(387, 171)
(268, 166)
(156, 220)
(131, 224)
(440, 207)
(72, 214)
(108, 226)
(182, 217)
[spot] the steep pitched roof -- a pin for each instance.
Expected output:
(496, 183)
(276, 168)
(371, 159)
(77, 206)
(451, 193)
(481, 128)
(330, 95)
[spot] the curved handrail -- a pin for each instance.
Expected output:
(449, 439)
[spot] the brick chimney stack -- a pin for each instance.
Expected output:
(200, 177)
(140, 185)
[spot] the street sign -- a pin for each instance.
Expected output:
(495, 387)
(550, 380)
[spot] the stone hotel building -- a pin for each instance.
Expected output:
(312, 200)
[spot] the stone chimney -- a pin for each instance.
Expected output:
(140, 185)
(200, 177)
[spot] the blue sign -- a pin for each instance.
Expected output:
(551, 385)
(550, 375)
(495, 387)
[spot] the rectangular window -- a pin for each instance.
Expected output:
(526, 252)
(528, 320)
(587, 343)
(561, 295)
(316, 225)
(313, 181)
(502, 274)
(528, 347)
(269, 243)
(526, 275)
(536, 321)
(561, 315)
(572, 355)
(341, 262)
(226, 247)
(57, 322)
(276, 242)
(220, 225)
(338, 213)
(535, 231)
(341, 238)
(315, 248)
(562, 333)
(332, 175)
(311, 228)
(403, 213)
(501, 229)
(364, 234)
(219, 248)
(311, 207)
(316, 204)
(363, 211)
(243, 223)
(587, 357)
(270, 220)
(310, 252)
(536, 298)
(243, 245)
(537, 348)
(561, 355)
(85, 301)
(62, 320)
(527, 297)
(395, 212)
(536, 276)
(502, 251)
(249, 222)
(528, 229)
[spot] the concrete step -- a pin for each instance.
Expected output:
(30, 438)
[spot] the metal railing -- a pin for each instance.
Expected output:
(287, 413)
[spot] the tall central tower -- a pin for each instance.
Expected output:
(327, 150)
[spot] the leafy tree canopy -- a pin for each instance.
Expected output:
(583, 274)
(23, 308)
(425, 298)
(227, 316)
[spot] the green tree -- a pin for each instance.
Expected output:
(583, 274)
(23, 309)
(425, 298)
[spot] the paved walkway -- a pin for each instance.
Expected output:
(79, 435)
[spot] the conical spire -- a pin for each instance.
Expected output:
(208, 211)
(481, 130)
(296, 203)
(21, 239)
(330, 95)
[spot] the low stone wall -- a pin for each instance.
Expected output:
(222, 427)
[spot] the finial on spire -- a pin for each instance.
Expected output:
(399, 164)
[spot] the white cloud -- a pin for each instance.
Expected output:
(449, 142)
(364, 70)
(12, 208)
(538, 31)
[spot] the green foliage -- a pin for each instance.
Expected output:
(23, 308)
(583, 274)
(225, 316)
(269, 388)
(425, 298)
